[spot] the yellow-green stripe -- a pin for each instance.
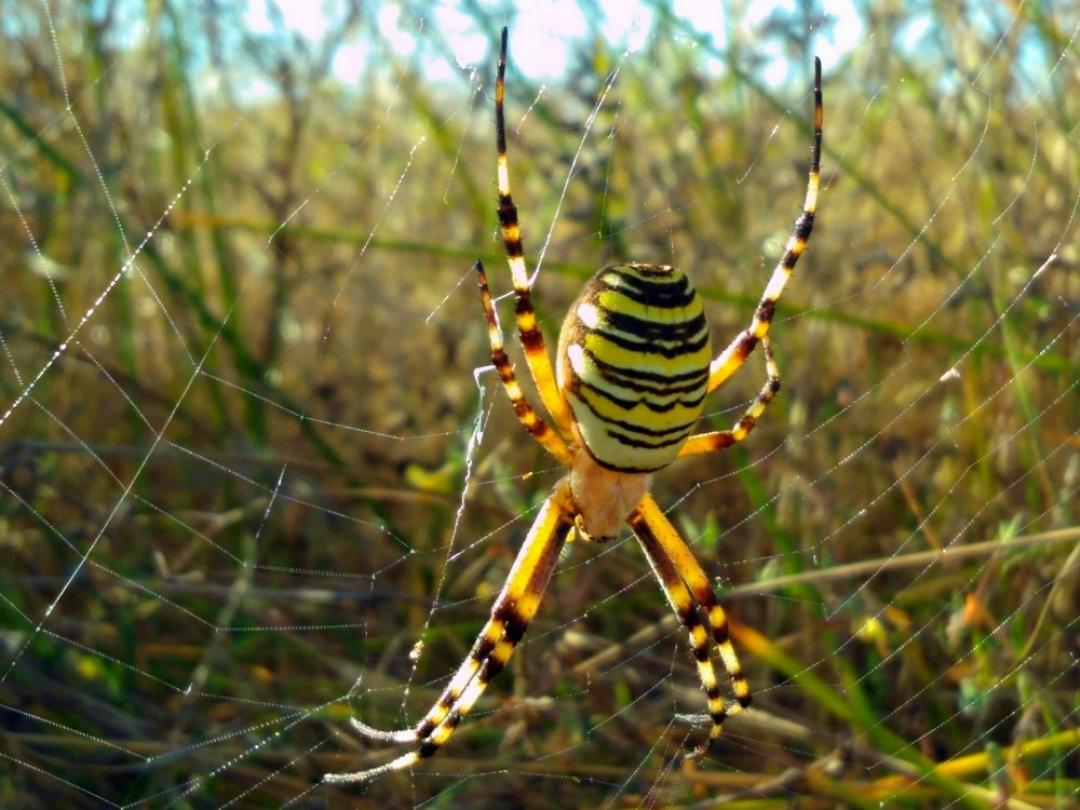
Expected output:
(634, 365)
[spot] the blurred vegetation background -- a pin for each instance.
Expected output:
(245, 479)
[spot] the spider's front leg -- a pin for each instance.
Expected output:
(514, 608)
(687, 588)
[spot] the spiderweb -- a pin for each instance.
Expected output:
(254, 477)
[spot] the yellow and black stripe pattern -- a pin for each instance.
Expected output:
(532, 421)
(633, 371)
(532, 339)
(634, 356)
(729, 360)
(514, 608)
(689, 591)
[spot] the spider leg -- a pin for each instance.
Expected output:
(731, 358)
(719, 439)
(687, 587)
(533, 422)
(532, 340)
(514, 608)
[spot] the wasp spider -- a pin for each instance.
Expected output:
(632, 374)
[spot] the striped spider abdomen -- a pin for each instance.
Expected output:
(633, 364)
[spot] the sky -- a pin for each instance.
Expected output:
(548, 27)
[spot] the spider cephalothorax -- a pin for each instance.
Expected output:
(633, 372)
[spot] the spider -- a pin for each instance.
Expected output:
(633, 370)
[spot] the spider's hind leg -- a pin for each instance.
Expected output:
(731, 359)
(526, 414)
(719, 439)
(532, 339)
